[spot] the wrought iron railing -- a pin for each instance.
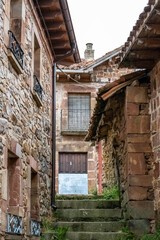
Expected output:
(14, 224)
(37, 87)
(75, 119)
(16, 48)
(35, 228)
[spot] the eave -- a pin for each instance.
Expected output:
(57, 24)
(142, 49)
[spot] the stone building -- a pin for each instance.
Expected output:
(76, 160)
(126, 117)
(33, 36)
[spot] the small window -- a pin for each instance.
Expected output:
(78, 112)
(16, 18)
(34, 196)
(36, 58)
(36, 77)
(14, 179)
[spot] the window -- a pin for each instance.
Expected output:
(34, 196)
(78, 112)
(16, 18)
(16, 53)
(36, 77)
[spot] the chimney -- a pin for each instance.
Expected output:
(89, 52)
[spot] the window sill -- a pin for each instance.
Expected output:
(74, 133)
(36, 98)
(14, 62)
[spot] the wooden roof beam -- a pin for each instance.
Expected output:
(57, 35)
(139, 63)
(60, 44)
(145, 54)
(50, 15)
(47, 3)
(55, 25)
(153, 27)
(149, 42)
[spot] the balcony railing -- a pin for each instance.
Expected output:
(75, 120)
(14, 224)
(37, 87)
(35, 228)
(16, 48)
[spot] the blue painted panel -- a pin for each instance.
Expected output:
(73, 183)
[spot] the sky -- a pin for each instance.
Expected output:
(105, 23)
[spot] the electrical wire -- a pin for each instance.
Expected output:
(68, 76)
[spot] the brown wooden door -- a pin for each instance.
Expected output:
(73, 163)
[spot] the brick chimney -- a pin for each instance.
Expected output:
(89, 52)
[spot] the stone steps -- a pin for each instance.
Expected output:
(90, 219)
(91, 226)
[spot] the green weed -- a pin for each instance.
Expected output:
(111, 193)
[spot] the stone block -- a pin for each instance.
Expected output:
(141, 209)
(137, 94)
(91, 165)
(4, 184)
(140, 180)
(138, 124)
(16, 148)
(137, 193)
(132, 109)
(3, 126)
(138, 138)
(91, 174)
(139, 147)
(137, 163)
(139, 227)
(33, 163)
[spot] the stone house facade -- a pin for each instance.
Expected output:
(77, 169)
(27, 56)
(128, 122)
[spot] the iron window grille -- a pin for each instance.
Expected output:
(15, 48)
(37, 87)
(14, 224)
(35, 228)
(75, 120)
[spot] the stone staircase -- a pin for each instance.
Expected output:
(90, 219)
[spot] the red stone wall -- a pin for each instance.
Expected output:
(138, 196)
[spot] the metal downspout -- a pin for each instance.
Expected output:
(54, 68)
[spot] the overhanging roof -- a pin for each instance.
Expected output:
(142, 49)
(104, 94)
(57, 24)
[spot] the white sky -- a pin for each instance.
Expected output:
(105, 23)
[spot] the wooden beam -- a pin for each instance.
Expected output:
(49, 15)
(155, 28)
(57, 35)
(55, 25)
(47, 3)
(60, 44)
(139, 63)
(145, 54)
(63, 51)
(149, 42)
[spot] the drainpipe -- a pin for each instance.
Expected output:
(54, 68)
(100, 167)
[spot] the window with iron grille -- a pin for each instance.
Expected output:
(78, 112)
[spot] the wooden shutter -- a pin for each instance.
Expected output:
(73, 163)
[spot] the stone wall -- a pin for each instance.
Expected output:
(155, 121)
(24, 126)
(109, 71)
(138, 193)
(113, 148)
(128, 155)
